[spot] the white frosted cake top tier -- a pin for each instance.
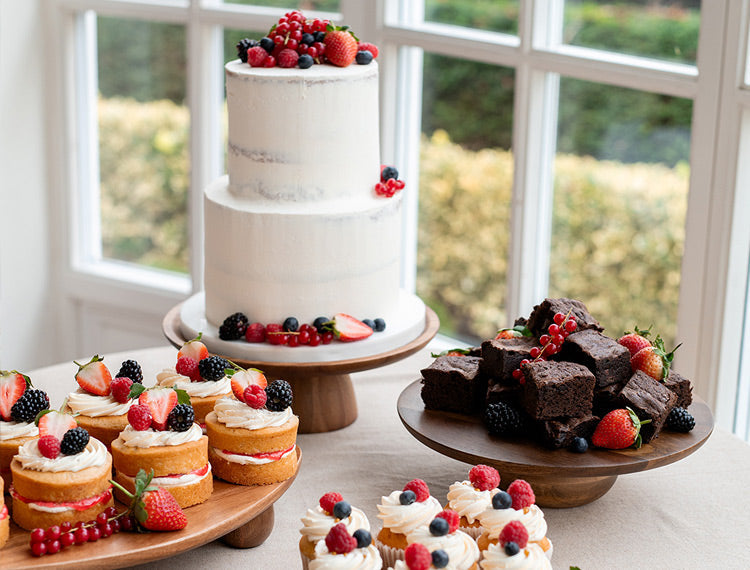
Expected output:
(302, 135)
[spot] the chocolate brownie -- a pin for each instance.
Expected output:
(604, 356)
(560, 432)
(650, 400)
(500, 357)
(605, 398)
(454, 384)
(543, 314)
(510, 393)
(557, 389)
(680, 386)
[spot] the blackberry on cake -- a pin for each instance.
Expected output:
(454, 384)
(679, 419)
(131, 369)
(213, 368)
(31, 402)
(243, 45)
(181, 417)
(278, 395)
(233, 327)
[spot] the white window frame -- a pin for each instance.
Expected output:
(715, 262)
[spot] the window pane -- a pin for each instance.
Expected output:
(492, 15)
(621, 184)
(143, 142)
(466, 174)
(661, 30)
(304, 5)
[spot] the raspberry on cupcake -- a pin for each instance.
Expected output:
(469, 498)
(443, 534)
(418, 557)
(342, 549)
(513, 550)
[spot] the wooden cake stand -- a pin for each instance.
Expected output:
(323, 393)
(240, 516)
(560, 478)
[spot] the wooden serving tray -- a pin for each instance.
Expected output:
(559, 477)
(241, 516)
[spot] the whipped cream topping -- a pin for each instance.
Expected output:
(468, 501)
(260, 459)
(462, 550)
(94, 455)
(316, 523)
(404, 519)
(153, 438)
(235, 414)
(170, 378)
(81, 402)
(493, 521)
(174, 480)
(12, 430)
(358, 559)
(532, 558)
(51, 507)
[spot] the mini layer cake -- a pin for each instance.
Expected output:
(561, 432)
(61, 477)
(608, 360)
(100, 403)
(341, 549)
(332, 509)
(443, 534)
(454, 384)
(650, 400)
(501, 356)
(557, 389)
(162, 437)
(19, 405)
(252, 438)
(4, 517)
(543, 314)
(513, 550)
(469, 498)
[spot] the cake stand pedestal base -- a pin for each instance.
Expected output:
(253, 533)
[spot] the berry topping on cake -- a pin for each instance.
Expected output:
(635, 341)
(52, 422)
(679, 419)
(160, 402)
(154, 508)
(287, 58)
(31, 402)
(188, 366)
(440, 558)
(242, 46)
(305, 61)
(341, 47)
(256, 56)
(348, 329)
(194, 349)
(654, 360)
(342, 510)
(213, 368)
(49, 446)
(407, 497)
(241, 379)
(255, 332)
(516, 532)
(234, 326)
(181, 417)
(366, 46)
(388, 172)
(363, 57)
(255, 396)
(290, 324)
(94, 377)
(321, 324)
(120, 388)
(521, 493)
(417, 557)
(139, 417)
(420, 489)
(501, 500)
(618, 429)
(12, 386)
(74, 441)
(579, 445)
(279, 395)
(502, 418)
(439, 527)
(339, 541)
(484, 477)
(452, 517)
(329, 500)
(131, 369)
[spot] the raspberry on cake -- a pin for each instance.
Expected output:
(70, 486)
(469, 498)
(163, 438)
(249, 445)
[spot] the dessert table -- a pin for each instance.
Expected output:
(689, 514)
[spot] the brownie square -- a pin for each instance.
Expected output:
(680, 386)
(605, 357)
(542, 316)
(605, 398)
(561, 432)
(500, 357)
(454, 384)
(650, 400)
(509, 393)
(557, 389)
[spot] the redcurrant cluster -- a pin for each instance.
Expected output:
(551, 342)
(389, 183)
(305, 36)
(304, 335)
(53, 539)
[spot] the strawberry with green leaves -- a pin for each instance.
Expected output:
(635, 341)
(94, 377)
(653, 360)
(194, 349)
(154, 508)
(12, 386)
(619, 429)
(241, 379)
(341, 46)
(52, 422)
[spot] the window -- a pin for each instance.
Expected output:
(571, 147)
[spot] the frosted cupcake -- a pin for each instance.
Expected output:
(402, 512)
(317, 522)
(514, 551)
(517, 504)
(418, 557)
(460, 550)
(472, 497)
(342, 550)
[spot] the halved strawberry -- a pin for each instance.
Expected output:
(348, 329)
(194, 349)
(244, 378)
(160, 401)
(52, 422)
(12, 386)
(94, 377)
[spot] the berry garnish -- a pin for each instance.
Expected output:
(279, 395)
(452, 517)
(635, 341)
(439, 527)
(131, 369)
(417, 557)
(329, 500)
(74, 441)
(342, 509)
(49, 446)
(213, 368)
(188, 366)
(255, 332)
(388, 172)
(407, 497)
(31, 402)
(154, 508)
(366, 46)
(363, 538)
(341, 47)
(160, 402)
(679, 419)
(194, 349)
(12, 386)
(579, 445)
(484, 477)
(618, 429)
(321, 324)
(120, 389)
(139, 417)
(52, 422)
(288, 57)
(339, 541)
(379, 324)
(502, 418)
(521, 493)
(501, 500)
(420, 489)
(654, 360)
(94, 377)
(242, 46)
(275, 334)
(256, 55)
(233, 327)
(363, 57)
(241, 379)
(181, 417)
(348, 329)
(514, 531)
(290, 324)
(305, 61)
(440, 558)
(254, 396)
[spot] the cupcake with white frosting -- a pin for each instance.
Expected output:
(513, 550)
(470, 498)
(343, 550)
(459, 550)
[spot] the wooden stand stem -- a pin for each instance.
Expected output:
(252, 533)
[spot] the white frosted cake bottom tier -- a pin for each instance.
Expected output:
(405, 325)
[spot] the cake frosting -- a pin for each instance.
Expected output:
(403, 519)
(529, 558)
(131, 437)
(532, 517)
(94, 454)
(235, 414)
(255, 459)
(176, 480)
(169, 378)
(367, 558)
(85, 404)
(316, 523)
(462, 550)
(13, 430)
(468, 501)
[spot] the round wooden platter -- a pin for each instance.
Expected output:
(560, 478)
(324, 396)
(240, 516)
